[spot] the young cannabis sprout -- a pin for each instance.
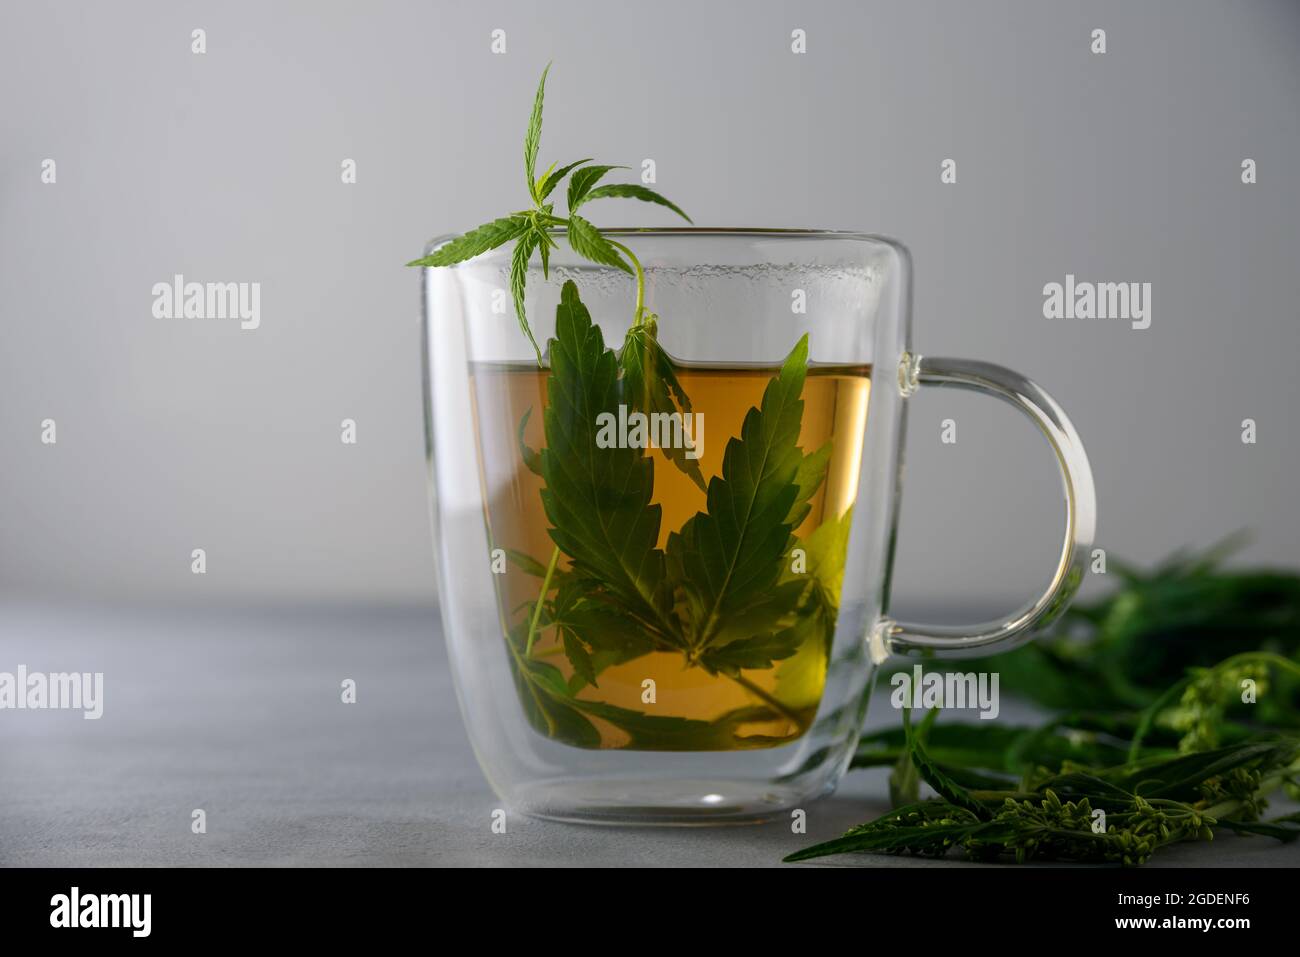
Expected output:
(532, 230)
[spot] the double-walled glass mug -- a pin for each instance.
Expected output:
(664, 550)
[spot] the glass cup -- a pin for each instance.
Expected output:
(683, 627)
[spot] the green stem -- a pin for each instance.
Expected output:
(1149, 715)
(541, 600)
(640, 281)
(770, 700)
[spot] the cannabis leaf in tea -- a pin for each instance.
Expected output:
(668, 614)
(718, 596)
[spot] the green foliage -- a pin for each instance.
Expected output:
(581, 183)
(1176, 770)
(532, 229)
(620, 596)
(598, 500)
(533, 138)
(720, 595)
(729, 560)
(476, 241)
(650, 386)
(632, 191)
(1147, 805)
(554, 176)
(586, 240)
(1120, 653)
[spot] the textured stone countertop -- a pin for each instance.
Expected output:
(238, 713)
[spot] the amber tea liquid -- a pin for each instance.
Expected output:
(775, 705)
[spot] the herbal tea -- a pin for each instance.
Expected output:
(667, 598)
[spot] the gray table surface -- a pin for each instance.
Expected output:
(238, 713)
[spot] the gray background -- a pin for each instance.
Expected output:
(175, 435)
(225, 167)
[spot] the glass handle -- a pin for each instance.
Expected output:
(893, 637)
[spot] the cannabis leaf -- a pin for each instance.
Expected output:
(476, 241)
(594, 635)
(553, 177)
(926, 827)
(578, 656)
(650, 386)
(616, 601)
(933, 775)
(598, 500)
(631, 191)
(1085, 739)
(532, 229)
(587, 242)
(727, 561)
(604, 635)
(760, 651)
(545, 696)
(526, 562)
(532, 461)
(533, 138)
(653, 732)
(809, 478)
(519, 278)
(582, 181)
(825, 551)
(551, 706)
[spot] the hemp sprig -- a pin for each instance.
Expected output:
(1118, 815)
(1158, 796)
(532, 229)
